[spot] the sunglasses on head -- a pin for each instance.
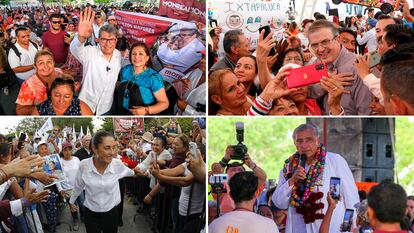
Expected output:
(64, 81)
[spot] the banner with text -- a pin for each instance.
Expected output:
(249, 16)
(141, 27)
(125, 124)
(186, 10)
(147, 28)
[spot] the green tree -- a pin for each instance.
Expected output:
(29, 125)
(78, 122)
(108, 124)
(5, 2)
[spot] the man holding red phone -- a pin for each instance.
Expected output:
(325, 45)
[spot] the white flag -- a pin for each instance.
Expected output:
(48, 125)
(73, 135)
(81, 133)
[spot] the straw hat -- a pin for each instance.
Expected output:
(148, 137)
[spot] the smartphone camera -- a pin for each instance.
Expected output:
(320, 67)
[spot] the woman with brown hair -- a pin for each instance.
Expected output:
(150, 83)
(62, 101)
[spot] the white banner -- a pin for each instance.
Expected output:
(249, 16)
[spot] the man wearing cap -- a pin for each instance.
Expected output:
(145, 144)
(369, 37)
(42, 149)
(112, 21)
(84, 152)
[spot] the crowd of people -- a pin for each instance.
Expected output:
(161, 170)
(77, 60)
(369, 59)
(302, 201)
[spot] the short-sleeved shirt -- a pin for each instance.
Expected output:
(242, 222)
(26, 59)
(149, 82)
(33, 91)
(56, 44)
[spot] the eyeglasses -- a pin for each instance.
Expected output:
(105, 40)
(56, 22)
(324, 43)
(64, 81)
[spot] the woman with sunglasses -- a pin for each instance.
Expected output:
(62, 101)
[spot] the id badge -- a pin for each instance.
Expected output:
(125, 101)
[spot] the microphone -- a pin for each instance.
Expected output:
(108, 69)
(303, 160)
(302, 163)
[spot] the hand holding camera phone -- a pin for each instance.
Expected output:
(266, 33)
(335, 188)
(306, 75)
(347, 223)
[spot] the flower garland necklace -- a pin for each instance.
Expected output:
(304, 198)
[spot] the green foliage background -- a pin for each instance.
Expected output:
(269, 142)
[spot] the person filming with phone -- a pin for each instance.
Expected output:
(305, 180)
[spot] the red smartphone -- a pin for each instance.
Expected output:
(306, 75)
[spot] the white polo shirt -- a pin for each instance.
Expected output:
(99, 75)
(26, 59)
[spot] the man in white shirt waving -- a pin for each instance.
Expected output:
(101, 64)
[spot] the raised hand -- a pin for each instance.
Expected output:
(85, 24)
(264, 45)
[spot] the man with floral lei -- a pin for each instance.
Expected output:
(303, 189)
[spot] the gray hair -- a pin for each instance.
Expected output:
(319, 24)
(231, 38)
(109, 29)
(304, 127)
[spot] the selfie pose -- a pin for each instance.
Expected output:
(306, 179)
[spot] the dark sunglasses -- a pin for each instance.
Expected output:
(64, 81)
(97, 16)
(56, 22)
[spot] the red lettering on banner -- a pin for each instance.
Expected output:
(183, 9)
(144, 28)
